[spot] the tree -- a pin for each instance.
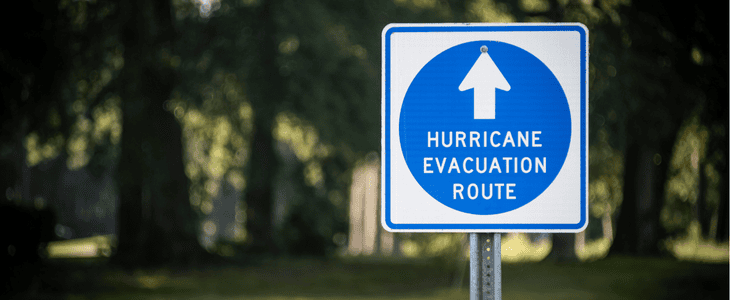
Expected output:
(34, 67)
(77, 69)
(156, 223)
(645, 80)
(58, 69)
(266, 90)
(321, 70)
(662, 82)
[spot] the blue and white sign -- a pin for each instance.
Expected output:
(485, 127)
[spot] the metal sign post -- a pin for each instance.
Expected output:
(485, 266)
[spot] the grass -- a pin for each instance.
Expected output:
(360, 278)
(617, 278)
(698, 270)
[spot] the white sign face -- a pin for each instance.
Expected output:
(485, 127)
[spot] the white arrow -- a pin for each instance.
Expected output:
(484, 77)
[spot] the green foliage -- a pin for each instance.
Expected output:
(684, 191)
(652, 65)
(216, 134)
(444, 248)
(311, 226)
(605, 178)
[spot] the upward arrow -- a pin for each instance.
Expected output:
(484, 77)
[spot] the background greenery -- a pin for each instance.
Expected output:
(187, 135)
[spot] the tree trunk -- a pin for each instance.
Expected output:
(625, 239)
(259, 194)
(563, 248)
(722, 225)
(607, 224)
(701, 212)
(156, 223)
(639, 230)
(267, 92)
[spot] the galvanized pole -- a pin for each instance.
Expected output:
(485, 266)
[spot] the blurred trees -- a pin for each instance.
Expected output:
(312, 70)
(188, 97)
(652, 67)
(30, 88)
(663, 80)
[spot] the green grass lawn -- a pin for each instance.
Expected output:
(608, 278)
(617, 278)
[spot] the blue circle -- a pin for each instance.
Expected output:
(534, 113)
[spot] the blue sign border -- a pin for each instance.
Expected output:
(386, 151)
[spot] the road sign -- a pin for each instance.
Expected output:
(485, 127)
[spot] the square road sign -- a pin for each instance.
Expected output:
(484, 127)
